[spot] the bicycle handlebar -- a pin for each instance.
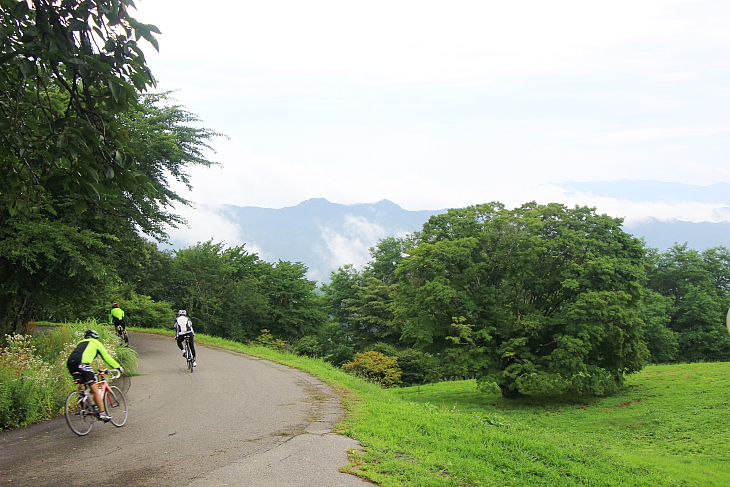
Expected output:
(115, 373)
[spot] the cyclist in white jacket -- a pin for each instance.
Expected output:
(184, 328)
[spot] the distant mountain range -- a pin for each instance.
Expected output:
(322, 235)
(325, 236)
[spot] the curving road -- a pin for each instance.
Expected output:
(236, 421)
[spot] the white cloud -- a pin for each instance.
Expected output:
(350, 246)
(435, 104)
(205, 222)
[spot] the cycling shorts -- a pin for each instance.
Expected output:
(84, 373)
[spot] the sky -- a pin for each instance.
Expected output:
(446, 104)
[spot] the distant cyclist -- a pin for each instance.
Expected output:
(117, 319)
(79, 365)
(184, 328)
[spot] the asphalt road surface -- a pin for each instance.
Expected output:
(236, 421)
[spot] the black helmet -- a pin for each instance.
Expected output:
(91, 334)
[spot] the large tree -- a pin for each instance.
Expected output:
(539, 299)
(67, 69)
(84, 158)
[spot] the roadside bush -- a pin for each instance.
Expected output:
(340, 355)
(381, 347)
(375, 367)
(415, 367)
(27, 387)
(308, 345)
(266, 339)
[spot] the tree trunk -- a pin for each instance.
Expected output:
(509, 393)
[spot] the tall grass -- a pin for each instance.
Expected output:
(34, 380)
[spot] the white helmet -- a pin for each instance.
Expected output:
(181, 312)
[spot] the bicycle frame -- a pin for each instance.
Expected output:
(101, 385)
(188, 353)
(79, 405)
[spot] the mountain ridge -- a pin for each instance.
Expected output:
(325, 236)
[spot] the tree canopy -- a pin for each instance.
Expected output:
(85, 157)
(68, 68)
(539, 299)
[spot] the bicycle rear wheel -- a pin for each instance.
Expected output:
(189, 356)
(115, 405)
(77, 416)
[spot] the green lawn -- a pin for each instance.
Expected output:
(673, 418)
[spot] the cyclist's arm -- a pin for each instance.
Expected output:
(108, 357)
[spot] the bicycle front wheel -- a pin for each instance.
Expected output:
(77, 416)
(115, 405)
(189, 356)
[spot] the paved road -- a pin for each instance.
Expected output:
(236, 421)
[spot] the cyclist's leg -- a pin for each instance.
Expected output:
(180, 339)
(87, 373)
(192, 346)
(97, 396)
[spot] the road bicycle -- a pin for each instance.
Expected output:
(188, 353)
(122, 332)
(81, 412)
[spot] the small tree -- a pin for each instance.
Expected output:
(375, 367)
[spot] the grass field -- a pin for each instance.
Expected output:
(673, 418)
(669, 427)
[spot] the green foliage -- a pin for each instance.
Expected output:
(231, 293)
(374, 367)
(695, 285)
(369, 314)
(139, 311)
(384, 348)
(387, 254)
(266, 339)
(661, 341)
(67, 69)
(539, 299)
(340, 288)
(416, 367)
(308, 345)
(59, 265)
(339, 355)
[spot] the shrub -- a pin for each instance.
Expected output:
(308, 345)
(340, 355)
(415, 367)
(375, 367)
(266, 339)
(381, 347)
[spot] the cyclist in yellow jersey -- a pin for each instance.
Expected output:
(117, 319)
(79, 365)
